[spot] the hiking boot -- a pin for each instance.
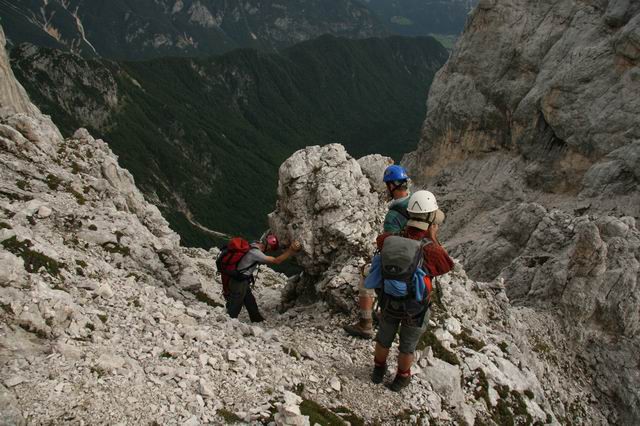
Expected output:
(258, 318)
(399, 383)
(377, 376)
(362, 329)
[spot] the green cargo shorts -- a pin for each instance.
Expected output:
(410, 329)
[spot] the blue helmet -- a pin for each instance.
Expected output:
(394, 172)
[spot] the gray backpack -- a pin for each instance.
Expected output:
(400, 258)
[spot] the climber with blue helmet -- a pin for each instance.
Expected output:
(397, 181)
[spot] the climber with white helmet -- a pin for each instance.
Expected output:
(401, 274)
(237, 262)
(397, 181)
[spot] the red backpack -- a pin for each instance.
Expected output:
(228, 260)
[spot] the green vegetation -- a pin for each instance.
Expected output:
(469, 341)
(291, 352)
(213, 132)
(23, 184)
(116, 248)
(427, 16)
(202, 297)
(228, 416)
(4, 225)
(319, 414)
(447, 40)
(78, 196)
(349, 416)
(428, 339)
(511, 409)
(53, 182)
(33, 260)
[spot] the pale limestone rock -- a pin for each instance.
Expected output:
(12, 270)
(109, 363)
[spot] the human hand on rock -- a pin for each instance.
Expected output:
(295, 246)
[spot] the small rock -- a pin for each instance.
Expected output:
(14, 381)
(453, 325)
(206, 389)
(105, 291)
(335, 384)
(109, 362)
(44, 212)
(192, 421)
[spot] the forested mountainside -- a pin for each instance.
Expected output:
(422, 17)
(204, 137)
(134, 30)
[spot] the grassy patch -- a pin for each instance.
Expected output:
(319, 414)
(78, 196)
(75, 168)
(482, 391)
(228, 416)
(23, 185)
(4, 225)
(81, 263)
(428, 339)
(33, 260)
(114, 248)
(469, 341)
(541, 347)
(53, 182)
(202, 297)
(349, 416)
(292, 352)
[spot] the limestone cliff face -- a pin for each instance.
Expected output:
(13, 97)
(532, 146)
(553, 82)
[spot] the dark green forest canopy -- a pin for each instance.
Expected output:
(205, 137)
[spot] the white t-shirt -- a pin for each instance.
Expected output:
(254, 257)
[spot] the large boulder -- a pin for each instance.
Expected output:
(328, 204)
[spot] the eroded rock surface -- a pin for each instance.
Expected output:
(328, 204)
(13, 97)
(532, 148)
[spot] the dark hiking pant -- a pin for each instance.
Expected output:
(240, 295)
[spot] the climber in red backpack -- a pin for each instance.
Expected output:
(237, 262)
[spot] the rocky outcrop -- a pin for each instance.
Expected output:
(532, 148)
(328, 204)
(13, 97)
(561, 93)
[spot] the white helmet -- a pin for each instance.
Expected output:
(422, 202)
